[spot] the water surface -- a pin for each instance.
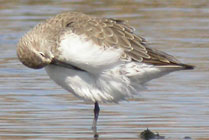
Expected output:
(176, 105)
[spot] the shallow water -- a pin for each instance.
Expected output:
(176, 105)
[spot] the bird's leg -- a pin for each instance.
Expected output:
(96, 115)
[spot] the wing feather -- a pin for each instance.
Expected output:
(108, 32)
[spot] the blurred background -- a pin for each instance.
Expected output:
(176, 106)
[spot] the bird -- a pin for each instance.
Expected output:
(97, 59)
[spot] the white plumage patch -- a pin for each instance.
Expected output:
(106, 78)
(104, 87)
(85, 54)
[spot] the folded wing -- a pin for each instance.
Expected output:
(108, 33)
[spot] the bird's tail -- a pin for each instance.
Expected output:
(186, 66)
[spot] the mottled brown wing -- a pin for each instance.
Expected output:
(109, 32)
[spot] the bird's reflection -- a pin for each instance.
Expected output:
(94, 129)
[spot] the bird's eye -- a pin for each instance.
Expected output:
(42, 54)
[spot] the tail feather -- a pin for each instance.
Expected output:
(186, 66)
(176, 67)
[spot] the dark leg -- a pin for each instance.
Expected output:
(96, 111)
(96, 115)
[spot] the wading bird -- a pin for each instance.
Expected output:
(96, 59)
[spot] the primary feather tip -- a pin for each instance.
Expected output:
(187, 67)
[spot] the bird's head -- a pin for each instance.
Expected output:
(34, 51)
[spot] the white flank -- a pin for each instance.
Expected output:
(85, 54)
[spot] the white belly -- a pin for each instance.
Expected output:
(102, 88)
(112, 85)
